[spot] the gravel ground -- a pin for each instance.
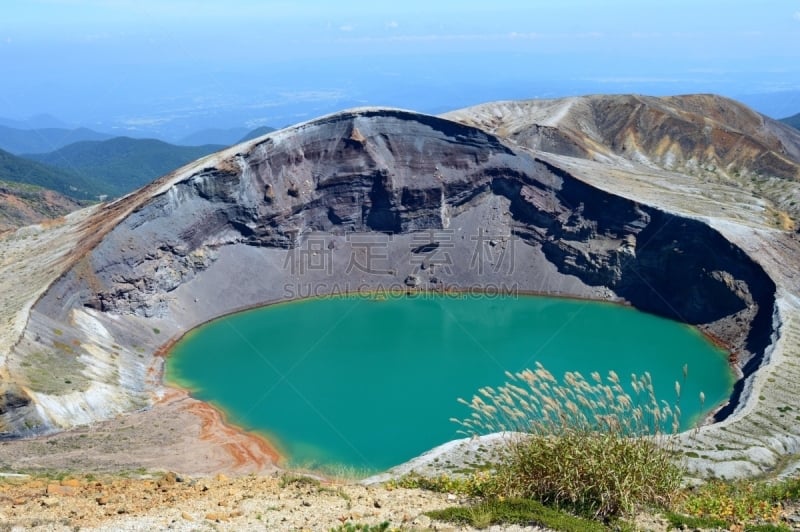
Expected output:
(171, 502)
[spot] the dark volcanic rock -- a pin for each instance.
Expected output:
(15, 407)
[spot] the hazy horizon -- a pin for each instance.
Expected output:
(169, 68)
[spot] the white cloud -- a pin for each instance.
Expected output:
(517, 35)
(257, 122)
(311, 96)
(633, 79)
(95, 37)
(392, 24)
(475, 37)
(647, 35)
(796, 15)
(346, 27)
(133, 123)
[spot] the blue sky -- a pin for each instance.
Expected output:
(171, 66)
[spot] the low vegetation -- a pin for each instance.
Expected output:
(120, 165)
(20, 170)
(739, 503)
(585, 455)
(793, 121)
(37, 371)
(523, 512)
(587, 446)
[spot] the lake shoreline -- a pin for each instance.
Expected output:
(271, 449)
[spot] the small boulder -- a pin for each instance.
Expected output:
(58, 489)
(412, 281)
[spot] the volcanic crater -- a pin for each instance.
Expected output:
(361, 200)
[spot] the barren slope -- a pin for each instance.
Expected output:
(22, 205)
(716, 140)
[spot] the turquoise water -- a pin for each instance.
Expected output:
(365, 383)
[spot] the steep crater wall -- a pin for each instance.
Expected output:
(435, 203)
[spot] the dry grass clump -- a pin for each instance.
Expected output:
(585, 445)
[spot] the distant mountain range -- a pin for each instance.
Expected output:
(64, 168)
(89, 165)
(44, 133)
(225, 137)
(39, 121)
(122, 164)
(793, 120)
(257, 132)
(20, 170)
(17, 141)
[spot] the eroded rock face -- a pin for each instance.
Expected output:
(221, 236)
(713, 139)
(694, 133)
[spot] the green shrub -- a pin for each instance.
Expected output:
(291, 479)
(587, 446)
(477, 484)
(683, 522)
(591, 472)
(767, 528)
(521, 512)
(739, 502)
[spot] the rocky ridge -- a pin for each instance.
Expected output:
(715, 140)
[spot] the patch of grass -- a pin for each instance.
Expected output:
(46, 372)
(290, 479)
(523, 512)
(785, 490)
(49, 474)
(583, 456)
(593, 473)
(682, 522)
(134, 473)
(767, 528)
(339, 492)
(61, 346)
(740, 502)
(481, 517)
(584, 445)
(478, 484)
